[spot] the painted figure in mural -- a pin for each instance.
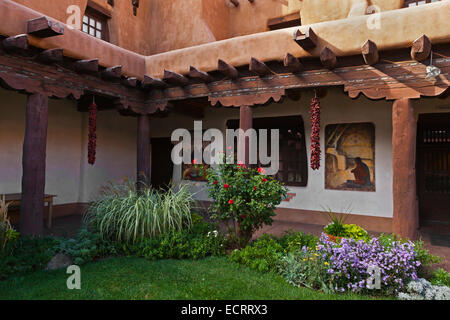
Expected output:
(361, 172)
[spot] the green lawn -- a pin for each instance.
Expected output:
(136, 278)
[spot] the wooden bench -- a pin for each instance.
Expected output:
(14, 199)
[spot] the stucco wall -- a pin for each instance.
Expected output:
(68, 175)
(336, 108)
(314, 11)
(126, 30)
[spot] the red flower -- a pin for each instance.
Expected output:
(215, 182)
(262, 171)
(255, 188)
(241, 165)
(231, 201)
(195, 161)
(226, 185)
(264, 180)
(243, 216)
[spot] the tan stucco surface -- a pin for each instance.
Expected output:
(124, 27)
(344, 37)
(76, 44)
(314, 11)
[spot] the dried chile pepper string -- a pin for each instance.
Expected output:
(315, 133)
(92, 145)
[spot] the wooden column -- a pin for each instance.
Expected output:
(33, 163)
(143, 150)
(245, 123)
(406, 215)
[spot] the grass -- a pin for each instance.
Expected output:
(132, 278)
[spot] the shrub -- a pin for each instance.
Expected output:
(421, 289)
(245, 196)
(86, 247)
(293, 241)
(264, 254)
(306, 268)
(198, 242)
(25, 255)
(350, 261)
(124, 214)
(353, 231)
(441, 278)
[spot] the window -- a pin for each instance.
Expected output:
(414, 3)
(290, 20)
(293, 167)
(95, 21)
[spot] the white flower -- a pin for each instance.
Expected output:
(421, 289)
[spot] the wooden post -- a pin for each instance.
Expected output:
(245, 123)
(143, 151)
(33, 162)
(406, 215)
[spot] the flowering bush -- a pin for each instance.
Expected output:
(350, 261)
(421, 289)
(245, 196)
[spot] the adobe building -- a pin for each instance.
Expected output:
(379, 68)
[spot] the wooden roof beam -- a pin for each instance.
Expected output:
(370, 52)
(151, 82)
(307, 40)
(112, 73)
(130, 82)
(227, 70)
(44, 28)
(200, 75)
(19, 42)
(260, 68)
(292, 63)
(421, 48)
(175, 78)
(51, 55)
(328, 58)
(86, 66)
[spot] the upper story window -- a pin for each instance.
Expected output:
(414, 3)
(95, 21)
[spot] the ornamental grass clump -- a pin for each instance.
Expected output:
(125, 214)
(353, 262)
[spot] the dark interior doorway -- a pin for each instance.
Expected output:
(433, 168)
(161, 163)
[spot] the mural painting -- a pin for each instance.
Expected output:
(350, 157)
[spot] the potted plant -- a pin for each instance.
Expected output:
(335, 229)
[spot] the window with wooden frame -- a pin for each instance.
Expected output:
(95, 21)
(287, 21)
(293, 166)
(414, 3)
